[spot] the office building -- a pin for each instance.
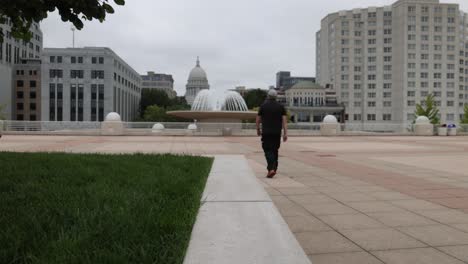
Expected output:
(284, 80)
(13, 51)
(27, 90)
(85, 84)
(159, 81)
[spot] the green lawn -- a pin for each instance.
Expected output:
(77, 208)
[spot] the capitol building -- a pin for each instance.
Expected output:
(197, 81)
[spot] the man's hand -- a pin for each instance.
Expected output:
(259, 132)
(285, 137)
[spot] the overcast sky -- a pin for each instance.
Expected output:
(242, 42)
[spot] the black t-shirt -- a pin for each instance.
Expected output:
(272, 117)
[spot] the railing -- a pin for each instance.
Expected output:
(203, 129)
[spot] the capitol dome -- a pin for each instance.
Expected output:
(197, 81)
(197, 73)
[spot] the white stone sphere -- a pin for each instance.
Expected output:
(422, 120)
(158, 126)
(113, 117)
(330, 119)
(192, 127)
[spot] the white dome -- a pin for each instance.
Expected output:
(330, 119)
(197, 73)
(192, 127)
(158, 126)
(113, 117)
(422, 120)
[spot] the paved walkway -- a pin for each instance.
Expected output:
(347, 199)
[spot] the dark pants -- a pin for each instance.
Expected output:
(271, 145)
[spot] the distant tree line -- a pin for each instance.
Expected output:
(155, 103)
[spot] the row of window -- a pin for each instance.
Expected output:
(20, 83)
(20, 107)
(20, 95)
(76, 74)
(75, 59)
(32, 117)
(372, 117)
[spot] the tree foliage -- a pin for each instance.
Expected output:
(255, 98)
(23, 13)
(160, 98)
(154, 113)
(465, 115)
(2, 114)
(428, 109)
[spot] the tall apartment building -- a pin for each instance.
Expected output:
(159, 81)
(27, 90)
(12, 51)
(384, 60)
(85, 84)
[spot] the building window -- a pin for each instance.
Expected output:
(19, 106)
(411, 103)
(52, 59)
(32, 106)
(387, 103)
(54, 73)
(59, 59)
(357, 117)
(19, 83)
(32, 118)
(94, 60)
(19, 117)
(32, 95)
(371, 104)
(80, 101)
(387, 117)
(101, 102)
(73, 60)
(32, 84)
(101, 60)
(370, 117)
(19, 95)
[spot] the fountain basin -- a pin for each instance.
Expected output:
(215, 116)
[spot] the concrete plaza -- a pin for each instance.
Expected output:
(346, 199)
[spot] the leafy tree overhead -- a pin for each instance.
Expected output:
(255, 98)
(23, 13)
(429, 109)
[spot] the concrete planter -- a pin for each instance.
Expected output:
(442, 131)
(452, 131)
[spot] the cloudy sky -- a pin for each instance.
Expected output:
(242, 42)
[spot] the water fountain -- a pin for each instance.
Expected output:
(208, 108)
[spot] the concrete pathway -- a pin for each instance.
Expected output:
(346, 199)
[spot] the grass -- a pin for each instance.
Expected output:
(79, 208)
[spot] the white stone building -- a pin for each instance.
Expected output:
(382, 61)
(12, 51)
(309, 102)
(197, 81)
(85, 84)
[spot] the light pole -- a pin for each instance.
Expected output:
(73, 32)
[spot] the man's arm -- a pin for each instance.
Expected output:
(257, 122)
(285, 128)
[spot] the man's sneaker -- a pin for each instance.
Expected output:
(271, 174)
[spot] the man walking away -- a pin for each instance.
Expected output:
(272, 116)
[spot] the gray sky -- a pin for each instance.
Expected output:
(242, 42)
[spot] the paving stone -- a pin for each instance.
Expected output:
(415, 256)
(352, 197)
(350, 221)
(395, 219)
(333, 208)
(374, 207)
(345, 258)
(459, 252)
(297, 191)
(381, 239)
(310, 199)
(417, 205)
(437, 235)
(448, 216)
(325, 242)
(389, 196)
(305, 223)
